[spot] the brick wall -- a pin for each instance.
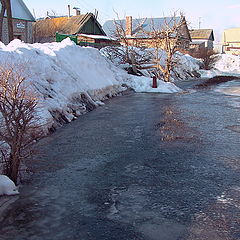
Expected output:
(22, 29)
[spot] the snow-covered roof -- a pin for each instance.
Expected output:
(20, 11)
(98, 37)
(146, 24)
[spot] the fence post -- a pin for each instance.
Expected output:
(154, 84)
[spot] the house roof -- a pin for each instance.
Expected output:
(231, 35)
(145, 24)
(20, 11)
(73, 25)
(205, 34)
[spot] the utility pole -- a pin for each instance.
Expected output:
(2, 2)
(9, 19)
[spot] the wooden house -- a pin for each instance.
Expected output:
(231, 41)
(201, 39)
(138, 32)
(22, 22)
(45, 29)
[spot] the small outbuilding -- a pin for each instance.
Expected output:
(22, 23)
(45, 29)
(201, 39)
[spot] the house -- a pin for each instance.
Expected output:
(231, 41)
(22, 22)
(45, 30)
(138, 31)
(201, 39)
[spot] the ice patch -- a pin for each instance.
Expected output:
(229, 88)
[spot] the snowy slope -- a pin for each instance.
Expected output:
(69, 79)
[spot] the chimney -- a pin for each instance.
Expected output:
(69, 11)
(78, 12)
(129, 25)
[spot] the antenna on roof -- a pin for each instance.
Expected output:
(34, 14)
(96, 13)
(199, 22)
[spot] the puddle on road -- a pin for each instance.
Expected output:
(173, 128)
(234, 128)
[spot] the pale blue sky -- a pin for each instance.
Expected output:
(216, 14)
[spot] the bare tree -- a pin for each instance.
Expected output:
(134, 55)
(3, 9)
(167, 39)
(19, 123)
(208, 57)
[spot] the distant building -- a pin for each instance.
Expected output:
(45, 29)
(138, 31)
(22, 23)
(231, 41)
(201, 39)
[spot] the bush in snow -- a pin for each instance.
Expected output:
(19, 121)
(208, 58)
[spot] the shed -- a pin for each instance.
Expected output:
(45, 29)
(202, 35)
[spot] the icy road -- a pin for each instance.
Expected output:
(142, 167)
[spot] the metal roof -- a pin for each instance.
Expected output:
(141, 24)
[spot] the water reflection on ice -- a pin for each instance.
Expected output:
(229, 88)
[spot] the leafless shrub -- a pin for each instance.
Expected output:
(208, 57)
(19, 122)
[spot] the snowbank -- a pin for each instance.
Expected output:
(227, 65)
(7, 186)
(69, 79)
(185, 66)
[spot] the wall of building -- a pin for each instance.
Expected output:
(22, 30)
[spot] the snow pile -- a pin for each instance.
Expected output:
(69, 79)
(185, 66)
(7, 186)
(228, 63)
(144, 84)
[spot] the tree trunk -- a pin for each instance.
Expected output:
(9, 18)
(13, 164)
(1, 17)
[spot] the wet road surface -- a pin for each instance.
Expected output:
(142, 167)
